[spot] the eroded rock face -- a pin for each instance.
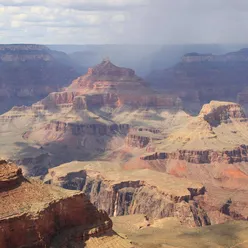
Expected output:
(92, 129)
(236, 155)
(10, 175)
(141, 137)
(216, 112)
(134, 197)
(106, 68)
(33, 213)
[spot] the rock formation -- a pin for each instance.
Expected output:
(123, 193)
(33, 214)
(211, 148)
(206, 77)
(85, 118)
(30, 72)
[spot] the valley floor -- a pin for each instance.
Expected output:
(169, 233)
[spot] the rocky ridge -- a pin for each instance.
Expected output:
(30, 72)
(204, 77)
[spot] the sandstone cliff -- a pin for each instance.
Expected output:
(123, 193)
(33, 214)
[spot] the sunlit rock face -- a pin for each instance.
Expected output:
(31, 209)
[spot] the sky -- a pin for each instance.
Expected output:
(124, 21)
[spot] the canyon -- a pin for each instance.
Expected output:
(110, 145)
(121, 192)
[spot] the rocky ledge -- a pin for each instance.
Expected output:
(32, 213)
(10, 175)
(237, 155)
(216, 112)
(239, 56)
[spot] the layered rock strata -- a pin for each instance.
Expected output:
(32, 213)
(237, 155)
(91, 129)
(206, 76)
(133, 193)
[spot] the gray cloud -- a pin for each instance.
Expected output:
(124, 21)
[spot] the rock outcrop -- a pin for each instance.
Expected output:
(141, 137)
(216, 112)
(33, 214)
(10, 175)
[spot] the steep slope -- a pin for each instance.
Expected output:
(36, 215)
(30, 72)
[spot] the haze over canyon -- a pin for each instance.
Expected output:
(123, 124)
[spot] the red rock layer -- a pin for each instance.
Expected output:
(237, 155)
(32, 213)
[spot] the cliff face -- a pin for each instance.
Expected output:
(236, 155)
(133, 196)
(92, 129)
(32, 213)
(216, 112)
(107, 85)
(141, 137)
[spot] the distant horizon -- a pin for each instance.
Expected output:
(127, 44)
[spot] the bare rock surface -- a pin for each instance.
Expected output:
(33, 214)
(121, 192)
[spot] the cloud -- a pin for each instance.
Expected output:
(123, 21)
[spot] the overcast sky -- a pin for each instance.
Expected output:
(123, 21)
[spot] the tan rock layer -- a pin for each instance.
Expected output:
(135, 197)
(99, 129)
(237, 155)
